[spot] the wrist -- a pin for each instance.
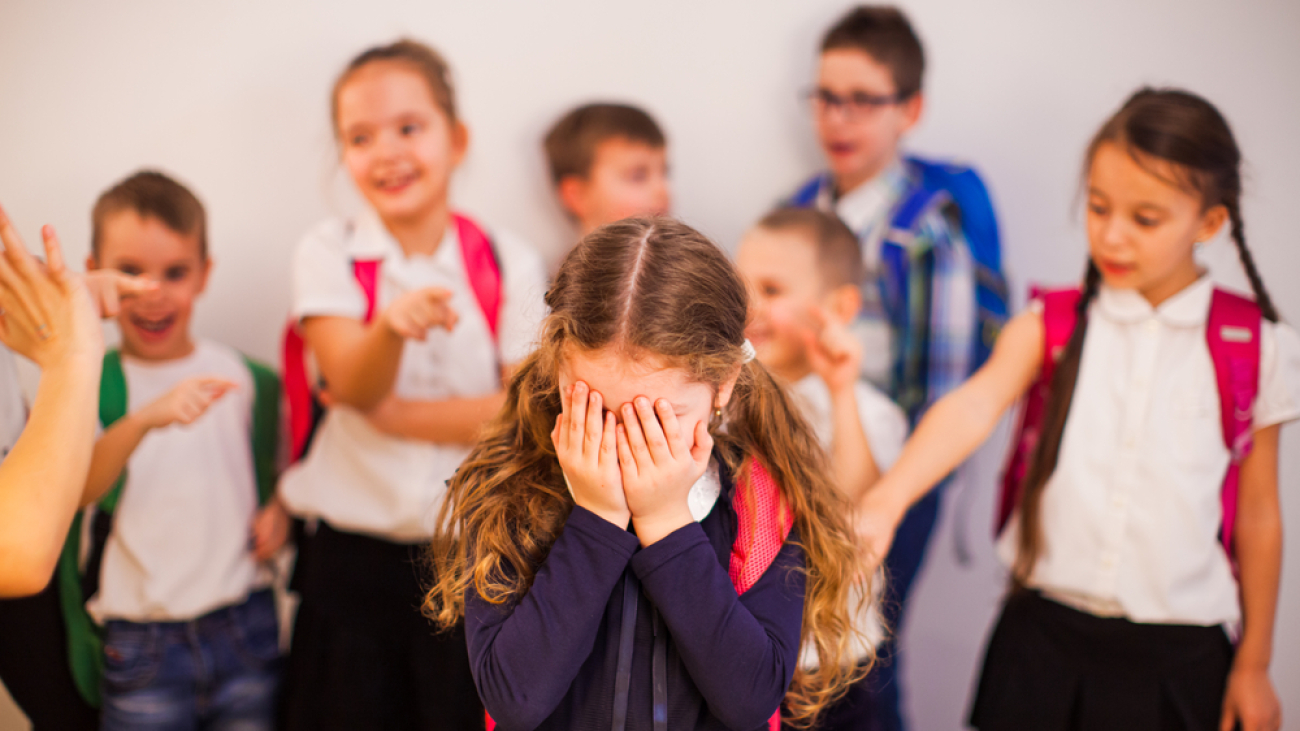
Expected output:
(651, 529)
(882, 498)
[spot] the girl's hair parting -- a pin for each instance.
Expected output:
(416, 56)
(1154, 126)
(654, 289)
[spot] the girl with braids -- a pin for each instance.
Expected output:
(590, 539)
(1123, 598)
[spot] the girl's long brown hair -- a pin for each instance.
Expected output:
(1154, 126)
(649, 287)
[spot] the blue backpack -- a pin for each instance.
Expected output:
(941, 183)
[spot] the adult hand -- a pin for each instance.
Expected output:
(659, 463)
(48, 314)
(413, 314)
(108, 287)
(585, 446)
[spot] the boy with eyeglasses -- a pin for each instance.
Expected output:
(933, 296)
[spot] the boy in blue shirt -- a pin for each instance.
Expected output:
(922, 325)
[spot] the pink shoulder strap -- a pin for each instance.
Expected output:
(1059, 318)
(1233, 335)
(482, 269)
(297, 390)
(763, 522)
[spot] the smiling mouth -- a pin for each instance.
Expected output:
(153, 327)
(395, 183)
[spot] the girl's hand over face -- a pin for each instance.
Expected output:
(412, 315)
(659, 465)
(1250, 700)
(584, 444)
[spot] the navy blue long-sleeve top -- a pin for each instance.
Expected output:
(550, 659)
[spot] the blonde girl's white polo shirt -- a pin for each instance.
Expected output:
(1131, 515)
(355, 477)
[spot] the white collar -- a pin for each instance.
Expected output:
(1190, 307)
(869, 201)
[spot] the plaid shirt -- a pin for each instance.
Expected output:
(931, 335)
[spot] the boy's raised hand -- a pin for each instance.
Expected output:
(185, 403)
(412, 315)
(584, 444)
(659, 463)
(833, 352)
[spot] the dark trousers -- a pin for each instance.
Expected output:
(363, 655)
(34, 664)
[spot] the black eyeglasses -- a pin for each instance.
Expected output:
(855, 106)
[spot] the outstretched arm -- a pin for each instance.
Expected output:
(953, 428)
(360, 360)
(182, 405)
(48, 316)
(1250, 697)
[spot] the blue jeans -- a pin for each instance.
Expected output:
(219, 672)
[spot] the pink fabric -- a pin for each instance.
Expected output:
(763, 521)
(1233, 334)
(1058, 323)
(482, 268)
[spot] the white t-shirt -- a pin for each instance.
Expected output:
(13, 408)
(885, 426)
(180, 541)
(355, 477)
(1132, 513)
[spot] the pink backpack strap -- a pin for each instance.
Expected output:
(1233, 334)
(763, 522)
(297, 390)
(1060, 313)
(482, 269)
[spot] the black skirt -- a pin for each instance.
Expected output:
(363, 656)
(1051, 667)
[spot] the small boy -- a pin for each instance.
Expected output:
(608, 162)
(934, 296)
(186, 456)
(804, 268)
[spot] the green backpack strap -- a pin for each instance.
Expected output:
(266, 427)
(85, 638)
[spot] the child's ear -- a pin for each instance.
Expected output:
(726, 389)
(1211, 221)
(91, 262)
(204, 274)
(572, 191)
(459, 142)
(843, 303)
(912, 110)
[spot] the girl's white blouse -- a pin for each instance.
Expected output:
(1131, 515)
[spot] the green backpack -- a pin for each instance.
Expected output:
(85, 637)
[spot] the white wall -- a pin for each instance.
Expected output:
(232, 98)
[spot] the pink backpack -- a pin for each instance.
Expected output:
(1232, 333)
(484, 273)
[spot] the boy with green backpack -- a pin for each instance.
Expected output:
(173, 574)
